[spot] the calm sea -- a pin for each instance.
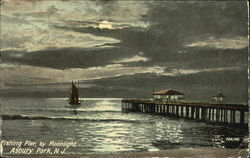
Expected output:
(98, 126)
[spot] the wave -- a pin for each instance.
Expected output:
(35, 117)
(115, 99)
(76, 110)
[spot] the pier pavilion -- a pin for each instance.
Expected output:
(168, 95)
(219, 98)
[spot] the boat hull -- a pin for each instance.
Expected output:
(73, 106)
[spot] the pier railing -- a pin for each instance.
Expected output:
(212, 112)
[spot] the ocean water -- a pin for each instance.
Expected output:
(99, 126)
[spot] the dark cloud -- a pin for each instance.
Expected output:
(199, 18)
(66, 58)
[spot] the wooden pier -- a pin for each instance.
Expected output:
(209, 112)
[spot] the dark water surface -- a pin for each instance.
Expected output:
(98, 126)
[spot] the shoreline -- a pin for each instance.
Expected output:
(173, 153)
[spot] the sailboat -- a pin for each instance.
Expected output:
(74, 94)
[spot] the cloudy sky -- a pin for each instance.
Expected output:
(124, 48)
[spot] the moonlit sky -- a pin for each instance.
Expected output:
(124, 48)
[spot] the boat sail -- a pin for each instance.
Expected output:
(74, 94)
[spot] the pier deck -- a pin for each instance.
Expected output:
(211, 112)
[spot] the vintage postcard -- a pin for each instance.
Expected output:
(124, 78)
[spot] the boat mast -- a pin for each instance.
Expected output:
(78, 88)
